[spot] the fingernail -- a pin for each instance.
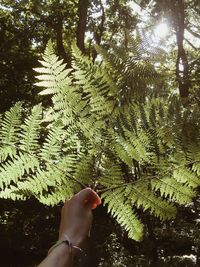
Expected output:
(94, 206)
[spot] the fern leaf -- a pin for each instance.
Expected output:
(10, 125)
(51, 147)
(112, 174)
(14, 170)
(185, 176)
(124, 155)
(169, 187)
(123, 212)
(9, 193)
(84, 169)
(29, 134)
(141, 196)
(60, 194)
(196, 168)
(6, 151)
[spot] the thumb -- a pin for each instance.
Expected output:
(83, 194)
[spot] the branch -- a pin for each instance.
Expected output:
(197, 35)
(194, 47)
(150, 177)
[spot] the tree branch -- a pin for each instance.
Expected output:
(194, 47)
(195, 34)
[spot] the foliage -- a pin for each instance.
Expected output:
(143, 155)
(26, 27)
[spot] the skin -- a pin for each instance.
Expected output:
(76, 222)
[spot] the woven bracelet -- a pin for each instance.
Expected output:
(67, 241)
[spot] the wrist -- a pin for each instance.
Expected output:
(74, 239)
(65, 240)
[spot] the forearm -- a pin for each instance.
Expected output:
(59, 257)
(76, 221)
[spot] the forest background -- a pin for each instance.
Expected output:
(169, 32)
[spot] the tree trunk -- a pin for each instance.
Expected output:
(82, 22)
(99, 32)
(182, 77)
(59, 41)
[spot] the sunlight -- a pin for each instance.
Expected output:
(161, 30)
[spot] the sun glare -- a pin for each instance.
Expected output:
(161, 30)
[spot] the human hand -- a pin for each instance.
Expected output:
(76, 216)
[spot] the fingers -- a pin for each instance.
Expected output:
(96, 198)
(83, 194)
(89, 197)
(93, 200)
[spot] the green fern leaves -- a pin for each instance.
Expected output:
(136, 154)
(31, 130)
(123, 212)
(10, 125)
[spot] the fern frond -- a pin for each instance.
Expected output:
(60, 195)
(10, 124)
(169, 187)
(123, 212)
(9, 193)
(94, 135)
(185, 176)
(42, 181)
(141, 144)
(124, 155)
(51, 147)
(141, 196)
(6, 151)
(84, 169)
(53, 75)
(30, 131)
(196, 168)
(54, 175)
(14, 169)
(112, 174)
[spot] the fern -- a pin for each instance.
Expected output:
(141, 156)
(174, 190)
(111, 174)
(51, 147)
(185, 176)
(141, 196)
(84, 169)
(14, 169)
(10, 125)
(30, 131)
(123, 212)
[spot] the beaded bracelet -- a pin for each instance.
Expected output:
(67, 241)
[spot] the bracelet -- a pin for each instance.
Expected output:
(67, 241)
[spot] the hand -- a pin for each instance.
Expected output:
(76, 216)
